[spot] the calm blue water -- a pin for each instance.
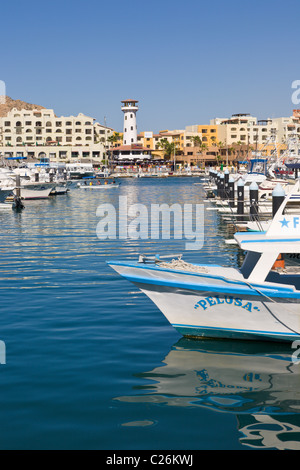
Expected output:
(92, 364)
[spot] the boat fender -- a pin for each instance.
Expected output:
(280, 262)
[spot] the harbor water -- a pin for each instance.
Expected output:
(91, 363)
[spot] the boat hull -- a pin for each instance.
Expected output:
(35, 192)
(98, 186)
(200, 307)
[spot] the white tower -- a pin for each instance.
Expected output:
(129, 109)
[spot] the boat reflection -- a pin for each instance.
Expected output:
(258, 382)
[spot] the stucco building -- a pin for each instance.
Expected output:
(40, 133)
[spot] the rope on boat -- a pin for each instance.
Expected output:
(181, 265)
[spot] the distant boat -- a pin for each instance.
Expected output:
(98, 186)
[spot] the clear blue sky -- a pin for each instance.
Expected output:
(185, 61)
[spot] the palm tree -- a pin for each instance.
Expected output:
(115, 137)
(168, 147)
(196, 140)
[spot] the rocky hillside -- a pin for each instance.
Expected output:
(18, 104)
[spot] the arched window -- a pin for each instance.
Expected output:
(78, 138)
(28, 130)
(48, 124)
(18, 123)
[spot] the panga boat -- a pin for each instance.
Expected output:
(98, 185)
(257, 301)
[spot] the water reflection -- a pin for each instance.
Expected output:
(258, 382)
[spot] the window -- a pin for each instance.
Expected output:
(88, 131)
(7, 123)
(48, 124)
(88, 123)
(28, 123)
(68, 139)
(68, 123)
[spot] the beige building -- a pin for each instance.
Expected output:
(246, 129)
(40, 133)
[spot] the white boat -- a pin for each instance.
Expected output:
(257, 301)
(35, 191)
(98, 186)
(80, 170)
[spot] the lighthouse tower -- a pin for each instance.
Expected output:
(129, 108)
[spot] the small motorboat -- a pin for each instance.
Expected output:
(98, 185)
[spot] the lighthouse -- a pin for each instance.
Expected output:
(131, 150)
(129, 108)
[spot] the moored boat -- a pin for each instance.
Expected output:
(98, 185)
(257, 301)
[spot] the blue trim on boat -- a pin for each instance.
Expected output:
(210, 332)
(276, 291)
(277, 240)
(214, 288)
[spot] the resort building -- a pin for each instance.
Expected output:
(40, 133)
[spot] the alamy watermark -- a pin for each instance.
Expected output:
(159, 221)
(2, 92)
(296, 93)
(2, 352)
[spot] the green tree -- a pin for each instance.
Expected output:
(168, 147)
(115, 137)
